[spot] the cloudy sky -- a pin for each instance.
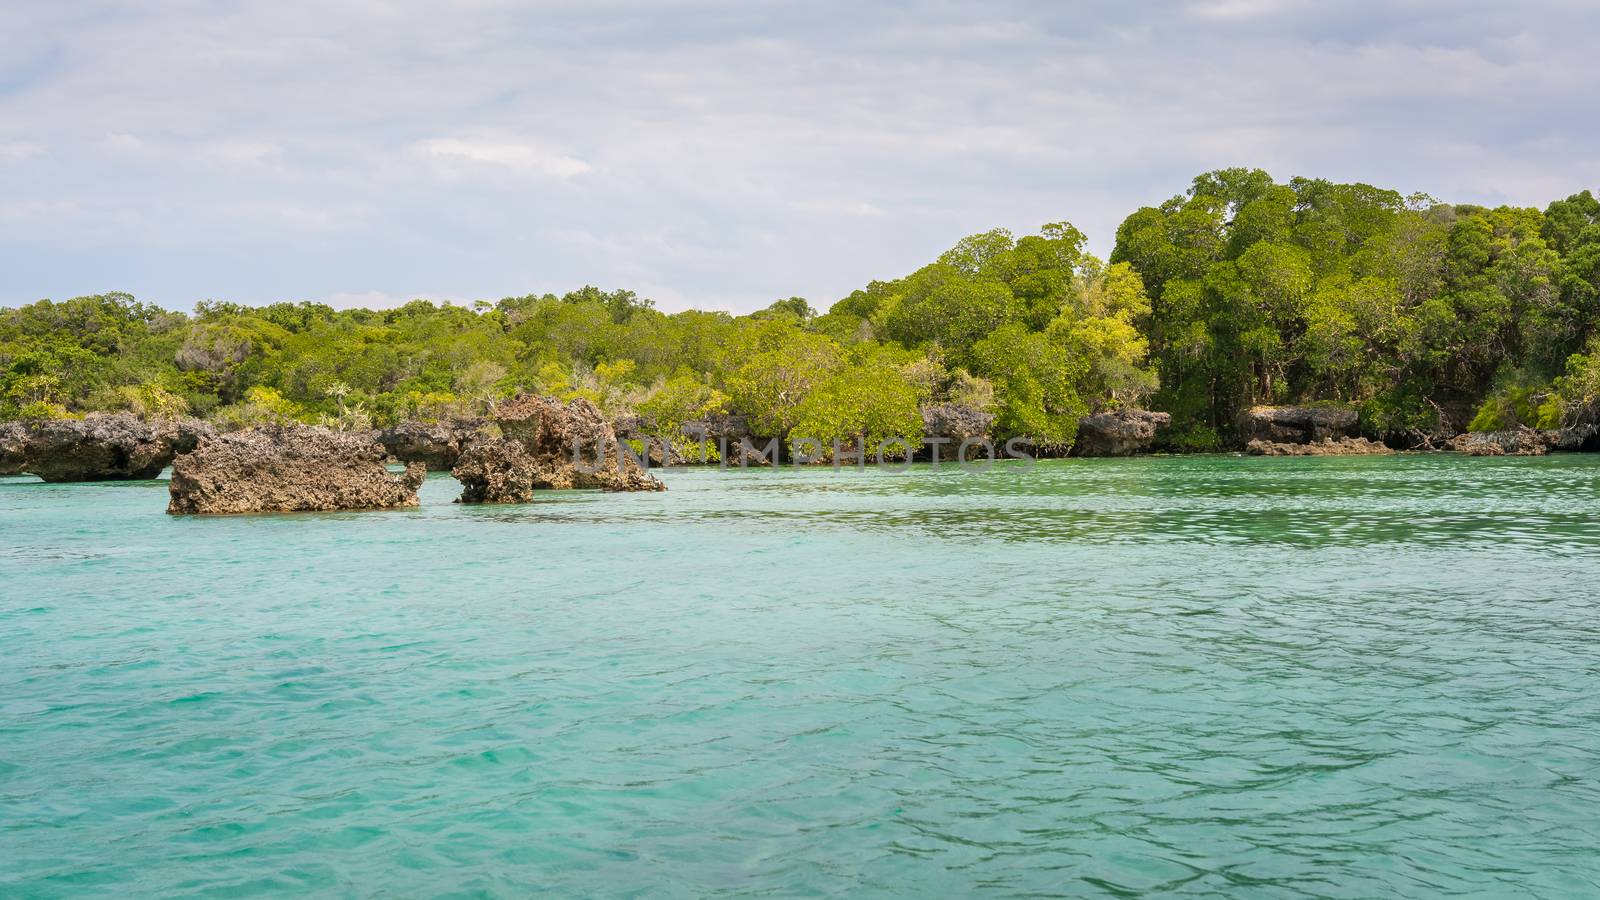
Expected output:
(719, 154)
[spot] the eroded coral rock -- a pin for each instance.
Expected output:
(1341, 447)
(952, 423)
(289, 469)
(98, 447)
(547, 445)
(13, 448)
(1522, 441)
(1577, 439)
(1525, 441)
(1120, 433)
(436, 445)
(1297, 424)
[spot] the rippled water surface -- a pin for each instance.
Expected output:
(1236, 677)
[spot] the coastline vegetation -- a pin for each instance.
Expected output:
(1429, 316)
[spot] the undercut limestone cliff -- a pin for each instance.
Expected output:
(1297, 424)
(1121, 433)
(98, 447)
(436, 445)
(953, 423)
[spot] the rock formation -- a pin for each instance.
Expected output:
(285, 469)
(955, 422)
(1521, 441)
(547, 445)
(1121, 433)
(436, 445)
(1525, 441)
(1296, 424)
(13, 448)
(98, 447)
(1577, 439)
(1341, 447)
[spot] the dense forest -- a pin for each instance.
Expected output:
(1431, 317)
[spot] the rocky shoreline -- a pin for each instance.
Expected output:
(528, 444)
(532, 443)
(1529, 441)
(1345, 446)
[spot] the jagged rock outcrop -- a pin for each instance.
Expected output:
(1521, 441)
(436, 445)
(97, 447)
(1297, 424)
(547, 445)
(1577, 439)
(955, 422)
(13, 448)
(1525, 441)
(289, 469)
(1120, 433)
(1349, 446)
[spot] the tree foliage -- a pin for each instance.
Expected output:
(1415, 309)
(1240, 291)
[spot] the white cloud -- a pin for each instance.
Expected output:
(124, 143)
(518, 157)
(1239, 10)
(728, 154)
(238, 151)
(16, 151)
(24, 212)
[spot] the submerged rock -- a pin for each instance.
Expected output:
(287, 469)
(1121, 433)
(98, 447)
(1330, 447)
(1297, 424)
(436, 445)
(547, 445)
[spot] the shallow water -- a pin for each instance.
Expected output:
(1210, 675)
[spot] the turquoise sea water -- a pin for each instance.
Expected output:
(1208, 675)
